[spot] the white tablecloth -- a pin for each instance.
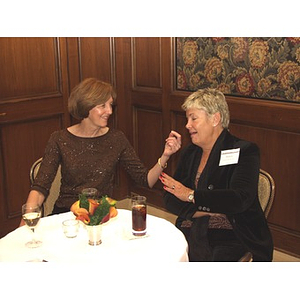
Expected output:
(163, 242)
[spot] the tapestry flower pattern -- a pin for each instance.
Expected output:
(267, 68)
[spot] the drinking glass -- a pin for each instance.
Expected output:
(70, 228)
(139, 214)
(31, 215)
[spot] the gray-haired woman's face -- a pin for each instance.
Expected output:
(201, 127)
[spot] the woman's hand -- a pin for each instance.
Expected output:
(173, 143)
(175, 187)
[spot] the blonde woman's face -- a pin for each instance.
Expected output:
(201, 127)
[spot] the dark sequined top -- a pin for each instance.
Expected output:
(87, 162)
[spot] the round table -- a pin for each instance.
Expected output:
(163, 242)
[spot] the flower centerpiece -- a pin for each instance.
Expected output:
(94, 211)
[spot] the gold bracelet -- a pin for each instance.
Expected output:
(159, 163)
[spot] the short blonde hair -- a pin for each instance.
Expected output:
(211, 101)
(86, 95)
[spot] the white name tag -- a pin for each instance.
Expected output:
(229, 157)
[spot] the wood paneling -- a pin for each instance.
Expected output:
(31, 68)
(148, 139)
(147, 115)
(146, 59)
(33, 97)
(274, 126)
(96, 58)
(19, 151)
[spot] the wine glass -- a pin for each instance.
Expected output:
(31, 215)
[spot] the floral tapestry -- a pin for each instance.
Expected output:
(267, 68)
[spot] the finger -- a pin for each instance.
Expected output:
(166, 176)
(174, 134)
(172, 142)
(168, 189)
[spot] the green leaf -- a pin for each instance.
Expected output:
(100, 212)
(83, 202)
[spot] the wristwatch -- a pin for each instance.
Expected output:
(191, 197)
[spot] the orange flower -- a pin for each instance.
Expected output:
(93, 205)
(113, 212)
(84, 218)
(95, 211)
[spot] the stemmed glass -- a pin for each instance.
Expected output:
(31, 215)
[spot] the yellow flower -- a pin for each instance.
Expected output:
(190, 49)
(263, 86)
(181, 80)
(222, 51)
(297, 54)
(224, 88)
(258, 53)
(240, 47)
(213, 69)
(288, 73)
(194, 80)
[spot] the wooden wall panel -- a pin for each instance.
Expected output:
(20, 150)
(280, 157)
(285, 171)
(33, 97)
(25, 71)
(146, 58)
(96, 58)
(146, 100)
(148, 143)
(148, 139)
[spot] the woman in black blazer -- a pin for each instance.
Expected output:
(214, 189)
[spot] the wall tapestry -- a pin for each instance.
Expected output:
(267, 68)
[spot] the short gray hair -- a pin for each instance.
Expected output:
(211, 101)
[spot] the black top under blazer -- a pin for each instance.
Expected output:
(230, 189)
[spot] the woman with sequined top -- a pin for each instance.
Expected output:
(90, 151)
(214, 190)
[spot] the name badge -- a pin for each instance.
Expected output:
(229, 157)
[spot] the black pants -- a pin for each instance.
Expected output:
(212, 244)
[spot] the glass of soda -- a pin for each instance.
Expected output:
(139, 214)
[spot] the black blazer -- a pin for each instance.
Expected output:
(231, 189)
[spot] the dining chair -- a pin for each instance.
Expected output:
(266, 193)
(54, 190)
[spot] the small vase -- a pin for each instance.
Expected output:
(94, 234)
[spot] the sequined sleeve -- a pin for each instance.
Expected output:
(48, 168)
(132, 164)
